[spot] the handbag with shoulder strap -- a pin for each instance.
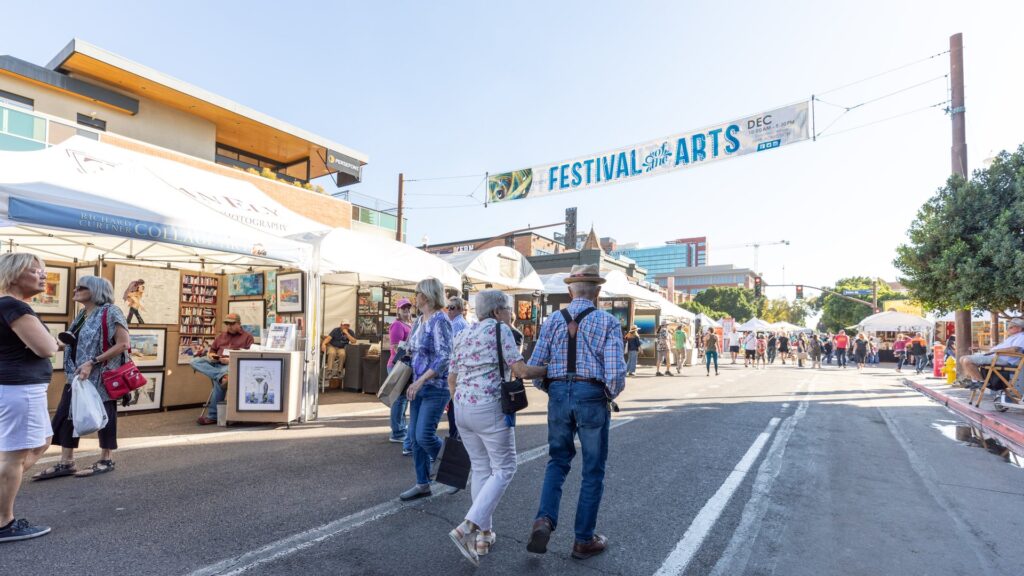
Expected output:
(513, 392)
(126, 377)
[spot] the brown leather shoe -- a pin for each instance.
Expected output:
(539, 536)
(205, 421)
(596, 545)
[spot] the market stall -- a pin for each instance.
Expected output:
(886, 325)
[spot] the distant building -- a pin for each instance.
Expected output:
(698, 249)
(682, 253)
(697, 279)
(526, 243)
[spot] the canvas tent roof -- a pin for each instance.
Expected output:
(894, 322)
(706, 321)
(84, 199)
(356, 259)
(787, 326)
(754, 324)
(500, 266)
(618, 286)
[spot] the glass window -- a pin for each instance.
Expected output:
(12, 100)
(92, 122)
(25, 125)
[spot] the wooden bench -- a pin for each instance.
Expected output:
(1006, 376)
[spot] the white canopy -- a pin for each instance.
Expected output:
(894, 322)
(501, 266)
(753, 324)
(355, 259)
(706, 321)
(786, 327)
(85, 199)
(616, 284)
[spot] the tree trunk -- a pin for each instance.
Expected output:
(963, 332)
(995, 328)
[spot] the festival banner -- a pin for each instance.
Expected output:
(757, 133)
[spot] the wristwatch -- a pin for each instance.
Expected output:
(93, 361)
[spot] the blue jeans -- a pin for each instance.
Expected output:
(631, 361)
(214, 371)
(840, 356)
(398, 425)
(922, 361)
(576, 408)
(424, 416)
(708, 357)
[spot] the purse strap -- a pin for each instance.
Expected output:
(105, 344)
(501, 357)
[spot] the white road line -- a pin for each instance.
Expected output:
(701, 526)
(302, 540)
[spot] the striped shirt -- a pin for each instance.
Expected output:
(598, 348)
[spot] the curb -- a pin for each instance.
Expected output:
(994, 424)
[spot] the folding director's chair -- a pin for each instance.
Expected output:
(1006, 376)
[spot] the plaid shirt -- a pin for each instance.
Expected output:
(598, 348)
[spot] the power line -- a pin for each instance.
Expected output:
(465, 177)
(936, 105)
(890, 71)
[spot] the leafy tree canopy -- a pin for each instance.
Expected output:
(698, 308)
(739, 303)
(838, 313)
(782, 310)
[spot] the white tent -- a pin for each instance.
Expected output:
(616, 284)
(787, 327)
(706, 321)
(84, 199)
(894, 322)
(355, 259)
(501, 267)
(754, 324)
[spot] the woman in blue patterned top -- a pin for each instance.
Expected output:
(431, 347)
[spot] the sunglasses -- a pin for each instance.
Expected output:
(77, 288)
(453, 308)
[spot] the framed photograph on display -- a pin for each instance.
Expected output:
(53, 299)
(249, 284)
(57, 361)
(290, 293)
(149, 397)
(147, 295)
(187, 351)
(280, 337)
(260, 384)
(149, 346)
(252, 313)
(81, 272)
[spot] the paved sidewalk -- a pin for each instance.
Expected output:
(1008, 426)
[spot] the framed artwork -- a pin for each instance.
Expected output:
(366, 327)
(189, 348)
(289, 293)
(646, 321)
(53, 299)
(80, 272)
(147, 295)
(57, 361)
(250, 284)
(149, 346)
(149, 397)
(252, 314)
(270, 296)
(260, 383)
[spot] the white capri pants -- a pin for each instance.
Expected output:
(491, 445)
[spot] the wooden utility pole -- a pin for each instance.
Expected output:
(959, 159)
(401, 205)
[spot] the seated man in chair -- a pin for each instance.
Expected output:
(333, 346)
(215, 363)
(972, 363)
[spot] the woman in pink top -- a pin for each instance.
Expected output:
(899, 349)
(400, 331)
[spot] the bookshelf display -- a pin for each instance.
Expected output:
(198, 308)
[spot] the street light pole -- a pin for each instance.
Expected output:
(959, 160)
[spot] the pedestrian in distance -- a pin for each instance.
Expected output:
(919, 350)
(899, 350)
(801, 349)
(734, 344)
(840, 343)
(87, 358)
(633, 343)
(826, 347)
(773, 347)
(712, 346)
(679, 348)
(783, 347)
(431, 347)
(663, 347)
(398, 334)
(26, 347)
(814, 349)
(762, 351)
(474, 381)
(582, 349)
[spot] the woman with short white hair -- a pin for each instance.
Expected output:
(474, 380)
(430, 346)
(26, 347)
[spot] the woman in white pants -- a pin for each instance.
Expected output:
(474, 380)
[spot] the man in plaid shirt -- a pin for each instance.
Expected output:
(579, 402)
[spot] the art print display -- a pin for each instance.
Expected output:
(251, 314)
(270, 297)
(289, 293)
(54, 298)
(57, 360)
(619, 309)
(147, 295)
(249, 284)
(149, 346)
(149, 397)
(260, 384)
(647, 321)
(367, 327)
(281, 337)
(190, 348)
(81, 272)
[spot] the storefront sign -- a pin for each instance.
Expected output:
(348, 169)
(756, 133)
(46, 214)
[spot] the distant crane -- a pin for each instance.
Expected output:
(756, 246)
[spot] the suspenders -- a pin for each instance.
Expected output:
(572, 326)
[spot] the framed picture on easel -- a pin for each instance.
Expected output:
(290, 293)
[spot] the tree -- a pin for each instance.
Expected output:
(782, 310)
(739, 303)
(698, 308)
(966, 246)
(839, 313)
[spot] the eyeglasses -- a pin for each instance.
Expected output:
(453, 308)
(77, 288)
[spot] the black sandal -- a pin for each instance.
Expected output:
(56, 471)
(100, 467)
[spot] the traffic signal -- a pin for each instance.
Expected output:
(799, 292)
(757, 287)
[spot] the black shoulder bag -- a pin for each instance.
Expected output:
(513, 392)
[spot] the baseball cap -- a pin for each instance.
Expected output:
(232, 318)
(402, 303)
(1018, 322)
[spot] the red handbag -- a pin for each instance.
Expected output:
(126, 377)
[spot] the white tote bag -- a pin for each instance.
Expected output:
(87, 411)
(396, 383)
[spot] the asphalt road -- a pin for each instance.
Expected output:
(778, 471)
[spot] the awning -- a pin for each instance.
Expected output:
(894, 322)
(754, 324)
(85, 199)
(616, 284)
(355, 259)
(501, 267)
(787, 327)
(707, 321)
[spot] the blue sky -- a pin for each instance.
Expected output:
(461, 88)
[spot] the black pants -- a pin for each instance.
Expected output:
(64, 428)
(134, 312)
